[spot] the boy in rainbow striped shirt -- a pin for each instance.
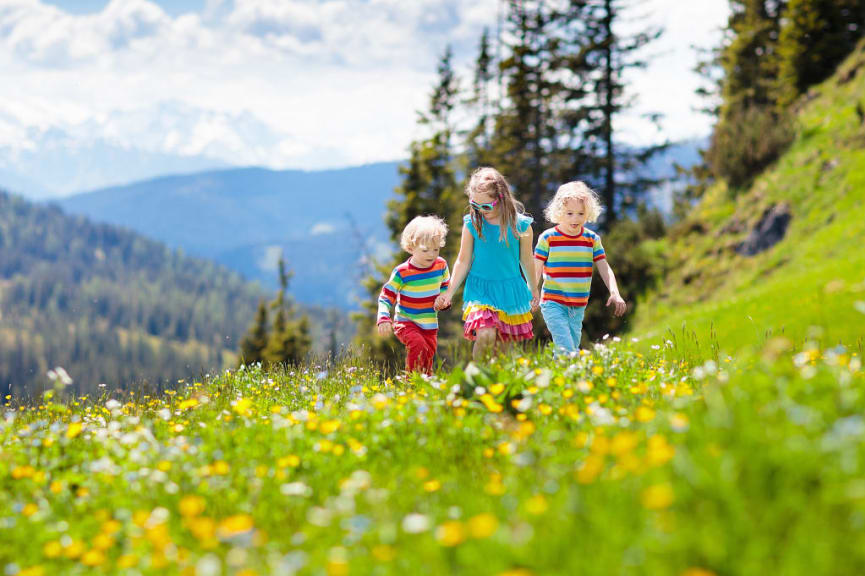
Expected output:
(413, 288)
(565, 255)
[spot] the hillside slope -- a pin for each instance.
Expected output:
(108, 305)
(809, 285)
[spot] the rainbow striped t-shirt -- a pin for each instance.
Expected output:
(413, 290)
(568, 265)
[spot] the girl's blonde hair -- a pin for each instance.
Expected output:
(426, 230)
(574, 191)
(489, 180)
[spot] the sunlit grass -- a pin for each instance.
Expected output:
(610, 462)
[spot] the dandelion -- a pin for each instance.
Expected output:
(432, 486)
(450, 533)
(536, 505)
(645, 414)
(74, 429)
(242, 406)
(234, 525)
(657, 497)
(482, 526)
(191, 506)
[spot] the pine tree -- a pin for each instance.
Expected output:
(751, 131)
(598, 59)
(816, 36)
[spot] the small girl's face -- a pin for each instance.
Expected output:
(487, 198)
(573, 215)
(424, 254)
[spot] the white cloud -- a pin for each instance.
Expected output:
(322, 228)
(288, 83)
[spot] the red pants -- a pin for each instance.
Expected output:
(420, 346)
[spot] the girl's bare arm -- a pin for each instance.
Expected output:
(461, 266)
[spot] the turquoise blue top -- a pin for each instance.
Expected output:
(494, 278)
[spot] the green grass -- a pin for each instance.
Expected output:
(613, 463)
(814, 277)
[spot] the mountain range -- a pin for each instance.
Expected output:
(327, 224)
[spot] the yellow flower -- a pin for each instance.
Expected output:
(658, 496)
(497, 388)
(597, 370)
(32, 571)
(383, 553)
(491, 404)
(432, 485)
(697, 572)
(659, 451)
(545, 409)
(290, 461)
(592, 466)
(450, 533)
(187, 404)
(74, 429)
(102, 542)
(645, 414)
(127, 561)
(482, 526)
(536, 505)
(191, 506)
(93, 558)
(52, 549)
(516, 572)
(242, 406)
(220, 468)
(329, 426)
(623, 443)
(233, 525)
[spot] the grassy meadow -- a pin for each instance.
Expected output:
(612, 462)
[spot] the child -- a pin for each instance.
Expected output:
(496, 241)
(565, 254)
(413, 287)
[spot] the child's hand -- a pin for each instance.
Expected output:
(619, 306)
(443, 302)
(385, 329)
(535, 302)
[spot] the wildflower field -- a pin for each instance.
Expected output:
(613, 462)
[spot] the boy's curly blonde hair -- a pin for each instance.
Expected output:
(576, 190)
(426, 230)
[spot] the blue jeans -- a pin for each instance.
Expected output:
(565, 323)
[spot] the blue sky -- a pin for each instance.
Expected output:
(278, 83)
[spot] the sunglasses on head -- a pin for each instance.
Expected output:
(483, 207)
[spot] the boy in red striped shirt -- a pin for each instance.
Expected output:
(412, 289)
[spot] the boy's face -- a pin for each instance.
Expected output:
(573, 215)
(423, 255)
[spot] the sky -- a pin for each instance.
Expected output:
(279, 83)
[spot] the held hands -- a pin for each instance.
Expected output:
(618, 304)
(535, 302)
(385, 329)
(443, 302)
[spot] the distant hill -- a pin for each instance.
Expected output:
(108, 305)
(325, 222)
(721, 289)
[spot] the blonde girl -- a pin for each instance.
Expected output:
(566, 254)
(496, 244)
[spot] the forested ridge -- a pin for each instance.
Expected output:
(108, 305)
